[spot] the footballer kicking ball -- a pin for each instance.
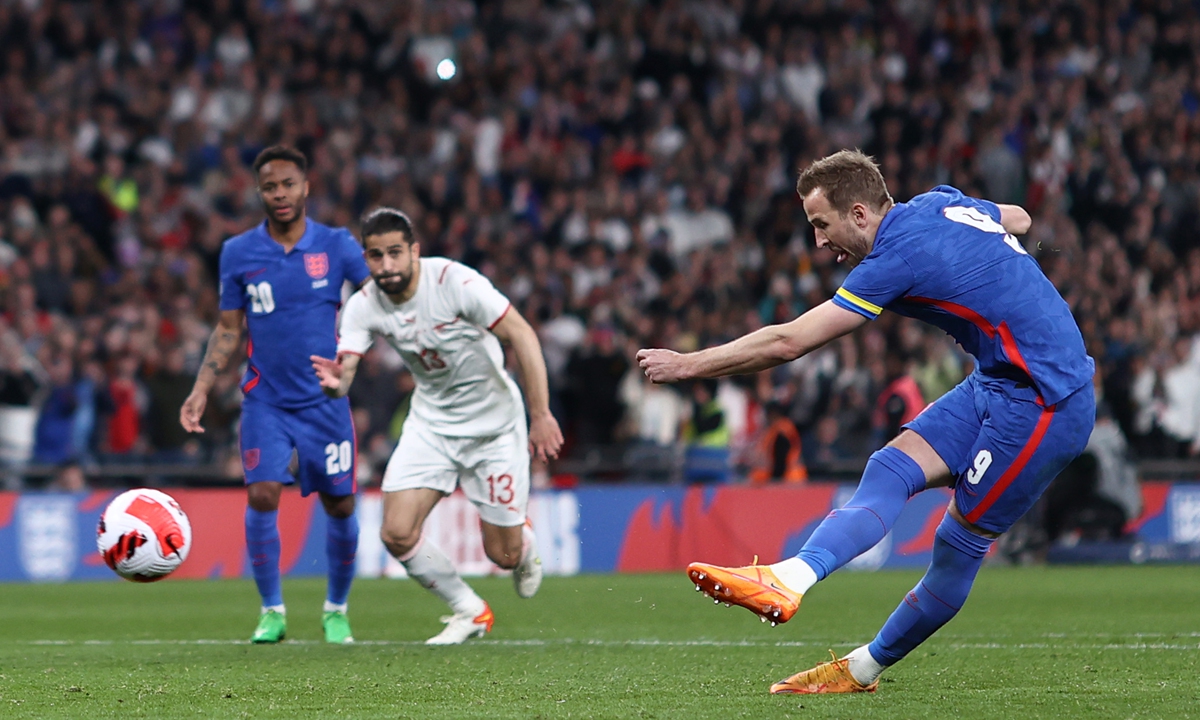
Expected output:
(144, 535)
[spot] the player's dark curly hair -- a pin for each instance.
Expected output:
(281, 152)
(386, 220)
(847, 177)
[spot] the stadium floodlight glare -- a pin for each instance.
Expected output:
(446, 69)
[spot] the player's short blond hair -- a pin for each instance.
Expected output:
(846, 177)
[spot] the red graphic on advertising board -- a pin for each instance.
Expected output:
(219, 534)
(8, 503)
(96, 500)
(1154, 502)
(736, 524)
(923, 542)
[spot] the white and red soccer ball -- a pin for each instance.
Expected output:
(144, 535)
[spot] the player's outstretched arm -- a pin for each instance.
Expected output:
(1015, 219)
(762, 349)
(545, 437)
(221, 346)
(336, 376)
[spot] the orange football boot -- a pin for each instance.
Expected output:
(754, 587)
(827, 677)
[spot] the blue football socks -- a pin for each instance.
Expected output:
(341, 544)
(957, 555)
(889, 480)
(262, 544)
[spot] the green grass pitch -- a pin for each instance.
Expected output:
(1031, 643)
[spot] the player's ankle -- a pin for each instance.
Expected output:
(471, 606)
(281, 609)
(335, 607)
(863, 665)
(795, 574)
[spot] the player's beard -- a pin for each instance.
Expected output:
(395, 284)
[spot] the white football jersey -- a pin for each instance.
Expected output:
(442, 333)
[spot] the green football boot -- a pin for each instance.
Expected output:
(272, 627)
(337, 628)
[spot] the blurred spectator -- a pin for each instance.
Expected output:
(825, 446)
(653, 413)
(616, 165)
(1148, 438)
(69, 477)
(166, 390)
(127, 395)
(88, 405)
(698, 225)
(594, 376)
(19, 384)
(376, 399)
(779, 450)
(1180, 413)
(55, 437)
(898, 403)
(939, 370)
(707, 436)
(780, 305)
(1098, 493)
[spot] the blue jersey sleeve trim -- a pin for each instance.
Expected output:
(846, 304)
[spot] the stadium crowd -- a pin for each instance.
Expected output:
(623, 170)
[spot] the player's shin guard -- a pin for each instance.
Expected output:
(889, 480)
(262, 544)
(957, 555)
(429, 566)
(341, 545)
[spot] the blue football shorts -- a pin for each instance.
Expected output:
(1003, 445)
(322, 436)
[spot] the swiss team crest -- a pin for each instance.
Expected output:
(317, 265)
(250, 458)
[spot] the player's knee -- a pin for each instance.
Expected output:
(262, 497)
(399, 541)
(338, 507)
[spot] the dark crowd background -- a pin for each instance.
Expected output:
(623, 170)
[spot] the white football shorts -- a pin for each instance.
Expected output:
(493, 472)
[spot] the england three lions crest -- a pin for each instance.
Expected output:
(316, 264)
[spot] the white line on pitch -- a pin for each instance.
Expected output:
(661, 643)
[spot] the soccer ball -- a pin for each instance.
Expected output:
(143, 535)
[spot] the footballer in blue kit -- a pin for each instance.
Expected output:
(283, 280)
(997, 439)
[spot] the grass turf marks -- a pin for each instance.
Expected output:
(1062, 643)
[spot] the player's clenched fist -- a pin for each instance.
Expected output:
(662, 366)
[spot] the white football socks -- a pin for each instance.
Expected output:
(429, 566)
(277, 608)
(529, 549)
(795, 574)
(334, 607)
(863, 666)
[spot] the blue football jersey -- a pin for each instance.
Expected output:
(945, 258)
(291, 300)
